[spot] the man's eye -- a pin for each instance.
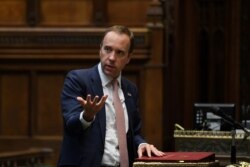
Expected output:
(107, 49)
(120, 53)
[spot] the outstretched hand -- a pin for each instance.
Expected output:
(91, 107)
(149, 149)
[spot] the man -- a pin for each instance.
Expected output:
(90, 132)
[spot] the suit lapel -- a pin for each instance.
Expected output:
(127, 96)
(98, 90)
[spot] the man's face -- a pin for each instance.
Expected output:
(114, 53)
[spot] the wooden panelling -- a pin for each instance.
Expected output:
(153, 90)
(48, 111)
(245, 59)
(131, 13)
(33, 12)
(73, 13)
(14, 88)
(205, 53)
(66, 12)
(13, 12)
(99, 12)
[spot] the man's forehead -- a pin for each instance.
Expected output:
(116, 35)
(119, 40)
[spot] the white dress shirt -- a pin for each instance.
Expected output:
(111, 153)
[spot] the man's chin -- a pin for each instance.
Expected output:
(109, 73)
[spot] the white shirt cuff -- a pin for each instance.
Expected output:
(85, 123)
(141, 144)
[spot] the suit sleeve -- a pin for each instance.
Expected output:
(137, 123)
(71, 108)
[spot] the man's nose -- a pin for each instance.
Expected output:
(112, 55)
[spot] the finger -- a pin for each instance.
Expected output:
(95, 100)
(157, 152)
(81, 100)
(161, 153)
(139, 152)
(141, 149)
(102, 101)
(148, 149)
(88, 99)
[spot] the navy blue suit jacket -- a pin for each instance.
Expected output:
(85, 148)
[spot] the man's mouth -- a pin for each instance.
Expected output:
(109, 67)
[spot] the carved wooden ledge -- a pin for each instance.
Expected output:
(59, 43)
(32, 157)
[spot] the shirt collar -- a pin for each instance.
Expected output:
(106, 79)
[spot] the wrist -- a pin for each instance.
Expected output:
(88, 117)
